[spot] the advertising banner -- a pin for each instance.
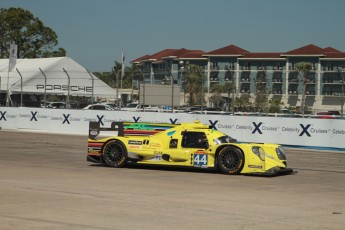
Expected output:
(310, 132)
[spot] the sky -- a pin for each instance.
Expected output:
(95, 33)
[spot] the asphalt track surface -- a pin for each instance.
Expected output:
(46, 183)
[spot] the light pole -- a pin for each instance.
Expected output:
(202, 87)
(143, 77)
(172, 88)
(342, 91)
(68, 104)
(0, 90)
(182, 81)
(117, 85)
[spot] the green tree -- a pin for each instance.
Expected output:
(61, 52)
(229, 88)
(217, 90)
(260, 99)
(216, 97)
(303, 69)
(113, 78)
(275, 105)
(261, 96)
(116, 74)
(106, 77)
(32, 37)
(131, 75)
(194, 84)
(243, 103)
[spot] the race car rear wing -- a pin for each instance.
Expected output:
(95, 129)
(129, 128)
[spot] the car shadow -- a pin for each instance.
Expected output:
(166, 168)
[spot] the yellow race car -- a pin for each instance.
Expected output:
(186, 144)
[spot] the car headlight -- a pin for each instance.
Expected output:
(259, 152)
(216, 141)
(224, 139)
(281, 153)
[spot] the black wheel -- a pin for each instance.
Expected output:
(114, 154)
(230, 160)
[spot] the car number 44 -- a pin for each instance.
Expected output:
(200, 160)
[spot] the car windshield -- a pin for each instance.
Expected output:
(224, 139)
(131, 105)
(114, 106)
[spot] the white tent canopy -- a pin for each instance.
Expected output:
(62, 76)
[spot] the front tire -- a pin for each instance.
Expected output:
(230, 160)
(114, 154)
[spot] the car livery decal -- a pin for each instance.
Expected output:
(157, 156)
(255, 166)
(94, 148)
(154, 145)
(171, 133)
(200, 159)
(133, 142)
(145, 129)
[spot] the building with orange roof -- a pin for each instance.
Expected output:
(275, 70)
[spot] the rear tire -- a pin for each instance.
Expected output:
(114, 154)
(230, 160)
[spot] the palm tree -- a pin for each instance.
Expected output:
(303, 69)
(194, 84)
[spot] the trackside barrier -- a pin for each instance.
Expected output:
(308, 132)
